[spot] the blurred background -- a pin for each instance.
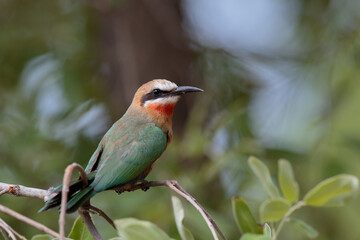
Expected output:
(281, 80)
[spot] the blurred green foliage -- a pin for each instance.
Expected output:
(276, 210)
(54, 108)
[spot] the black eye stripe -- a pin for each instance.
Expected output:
(153, 94)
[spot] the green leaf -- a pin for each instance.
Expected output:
(185, 233)
(42, 237)
(267, 230)
(304, 227)
(272, 210)
(46, 237)
(134, 229)
(79, 231)
(288, 185)
(244, 218)
(263, 173)
(334, 191)
(252, 236)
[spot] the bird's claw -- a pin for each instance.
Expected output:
(119, 191)
(144, 185)
(144, 188)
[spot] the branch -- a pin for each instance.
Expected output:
(22, 191)
(84, 213)
(19, 190)
(10, 230)
(64, 195)
(173, 185)
(29, 221)
(3, 233)
(101, 213)
(4, 226)
(209, 220)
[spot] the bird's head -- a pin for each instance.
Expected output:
(158, 97)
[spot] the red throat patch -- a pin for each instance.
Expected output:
(163, 108)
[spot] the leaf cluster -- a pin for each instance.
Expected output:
(274, 212)
(284, 200)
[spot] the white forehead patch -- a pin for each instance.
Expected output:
(164, 85)
(165, 100)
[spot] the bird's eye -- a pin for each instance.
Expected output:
(156, 91)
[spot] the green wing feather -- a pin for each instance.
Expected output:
(126, 154)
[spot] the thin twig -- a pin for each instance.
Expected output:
(295, 207)
(65, 189)
(19, 190)
(17, 234)
(29, 221)
(103, 214)
(22, 191)
(210, 222)
(12, 230)
(3, 233)
(84, 213)
(7, 229)
(173, 185)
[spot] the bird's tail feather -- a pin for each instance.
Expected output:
(76, 196)
(79, 199)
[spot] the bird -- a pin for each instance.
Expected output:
(128, 150)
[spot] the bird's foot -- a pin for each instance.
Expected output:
(123, 188)
(119, 191)
(144, 185)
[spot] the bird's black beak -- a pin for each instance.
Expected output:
(185, 89)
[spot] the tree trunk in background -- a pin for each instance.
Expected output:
(139, 41)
